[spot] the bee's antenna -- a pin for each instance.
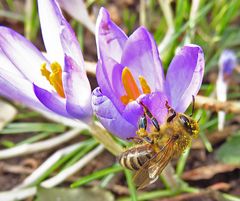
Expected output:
(193, 105)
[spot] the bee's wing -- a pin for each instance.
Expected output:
(150, 171)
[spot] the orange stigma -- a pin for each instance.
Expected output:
(54, 77)
(131, 88)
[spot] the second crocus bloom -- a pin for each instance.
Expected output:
(129, 72)
(56, 81)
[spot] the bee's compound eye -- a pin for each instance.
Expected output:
(184, 121)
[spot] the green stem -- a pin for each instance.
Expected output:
(131, 185)
(102, 136)
(181, 162)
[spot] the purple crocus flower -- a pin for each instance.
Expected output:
(129, 73)
(227, 63)
(56, 81)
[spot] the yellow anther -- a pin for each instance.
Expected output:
(145, 87)
(130, 86)
(54, 77)
(45, 72)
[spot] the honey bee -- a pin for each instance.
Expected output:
(155, 149)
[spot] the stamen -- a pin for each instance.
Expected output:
(130, 85)
(45, 72)
(54, 77)
(145, 87)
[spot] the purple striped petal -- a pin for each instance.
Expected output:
(58, 35)
(140, 54)
(71, 46)
(24, 55)
(51, 100)
(109, 37)
(7, 65)
(109, 116)
(77, 90)
(184, 76)
(18, 89)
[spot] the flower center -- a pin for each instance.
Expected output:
(54, 77)
(131, 88)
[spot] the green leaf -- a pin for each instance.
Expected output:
(131, 185)
(96, 175)
(7, 143)
(15, 128)
(229, 152)
(80, 194)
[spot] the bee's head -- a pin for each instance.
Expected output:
(189, 124)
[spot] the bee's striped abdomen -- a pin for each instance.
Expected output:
(135, 157)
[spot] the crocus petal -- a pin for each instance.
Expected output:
(71, 46)
(52, 25)
(184, 76)
(18, 89)
(23, 54)
(156, 104)
(52, 101)
(132, 112)
(7, 65)
(109, 116)
(109, 37)
(77, 90)
(73, 7)
(109, 79)
(227, 62)
(140, 54)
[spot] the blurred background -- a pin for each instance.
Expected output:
(209, 171)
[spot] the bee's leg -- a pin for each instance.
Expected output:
(136, 139)
(142, 132)
(142, 126)
(172, 111)
(152, 118)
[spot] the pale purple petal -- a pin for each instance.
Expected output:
(52, 25)
(109, 116)
(18, 89)
(109, 79)
(24, 55)
(71, 45)
(156, 104)
(77, 90)
(73, 7)
(109, 37)
(140, 54)
(7, 65)
(132, 112)
(184, 76)
(52, 101)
